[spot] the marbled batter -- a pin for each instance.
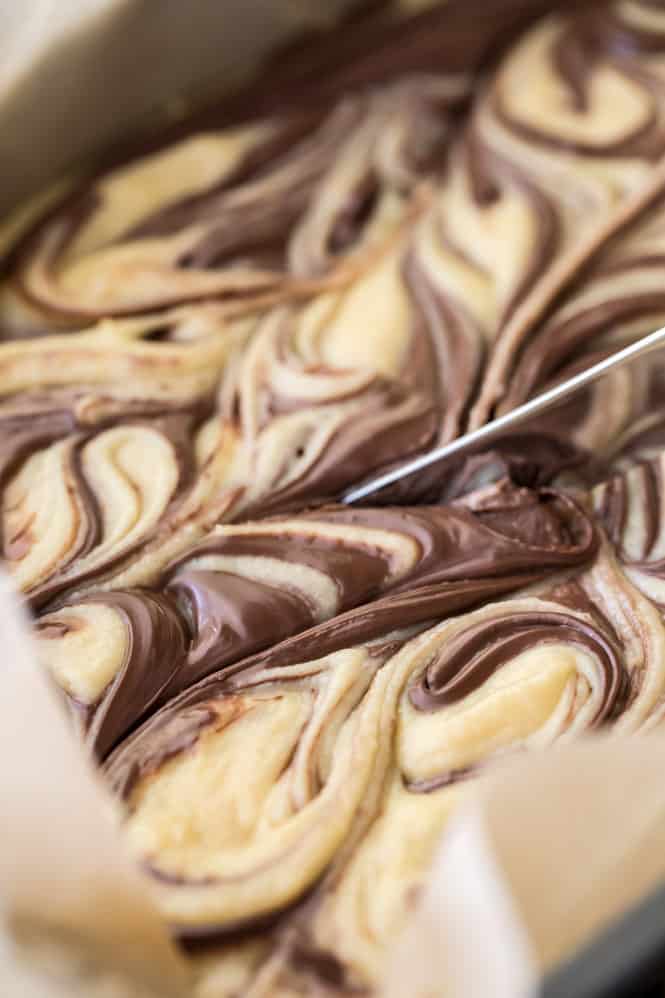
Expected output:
(400, 230)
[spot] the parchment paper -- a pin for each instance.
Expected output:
(548, 851)
(75, 909)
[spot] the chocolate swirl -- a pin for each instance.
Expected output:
(251, 596)
(246, 212)
(630, 506)
(78, 508)
(512, 675)
(214, 334)
(249, 587)
(556, 171)
(113, 655)
(473, 659)
(245, 196)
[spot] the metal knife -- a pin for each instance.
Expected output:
(498, 427)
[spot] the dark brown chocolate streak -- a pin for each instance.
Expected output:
(166, 742)
(20, 436)
(233, 617)
(640, 441)
(73, 211)
(489, 173)
(596, 35)
(651, 483)
(257, 163)
(545, 354)
(571, 595)
(178, 428)
(419, 607)
(391, 428)
(325, 967)
(14, 548)
(91, 521)
(156, 648)
(614, 508)
(442, 349)
(456, 38)
(472, 657)
(351, 218)
(447, 779)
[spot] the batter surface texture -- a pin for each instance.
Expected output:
(405, 226)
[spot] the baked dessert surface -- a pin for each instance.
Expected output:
(401, 230)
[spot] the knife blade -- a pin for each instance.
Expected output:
(487, 434)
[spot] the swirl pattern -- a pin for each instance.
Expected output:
(355, 743)
(241, 212)
(113, 656)
(337, 575)
(404, 227)
(629, 504)
(78, 507)
(405, 222)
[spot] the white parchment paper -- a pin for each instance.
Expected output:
(75, 909)
(548, 851)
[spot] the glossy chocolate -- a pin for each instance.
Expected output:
(402, 228)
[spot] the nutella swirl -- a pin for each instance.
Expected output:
(113, 655)
(402, 721)
(562, 172)
(247, 212)
(256, 596)
(400, 229)
(469, 662)
(77, 508)
(630, 506)
(249, 587)
(308, 166)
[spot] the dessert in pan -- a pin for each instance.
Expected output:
(396, 233)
